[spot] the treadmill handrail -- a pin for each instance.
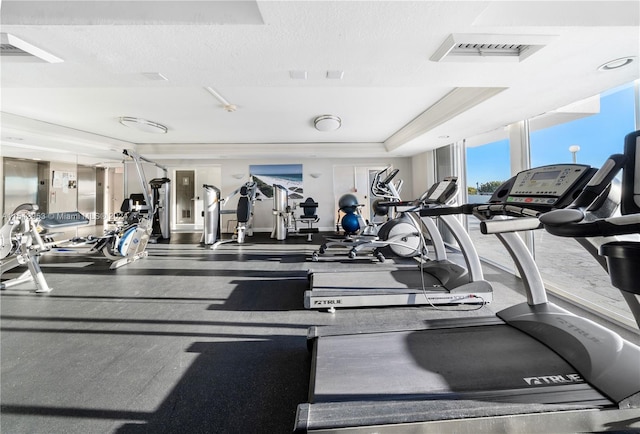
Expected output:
(619, 225)
(575, 212)
(510, 225)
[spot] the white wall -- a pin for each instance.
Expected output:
(61, 197)
(132, 181)
(321, 188)
(423, 170)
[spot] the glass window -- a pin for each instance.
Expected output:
(488, 166)
(563, 263)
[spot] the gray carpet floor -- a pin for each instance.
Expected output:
(187, 340)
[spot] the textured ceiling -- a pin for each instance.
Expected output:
(245, 51)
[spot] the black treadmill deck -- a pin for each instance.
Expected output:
(493, 363)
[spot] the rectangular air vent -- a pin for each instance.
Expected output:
(13, 47)
(10, 50)
(487, 48)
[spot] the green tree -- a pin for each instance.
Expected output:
(489, 187)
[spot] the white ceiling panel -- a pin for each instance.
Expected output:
(247, 50)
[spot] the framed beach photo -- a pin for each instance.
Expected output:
(287, 175)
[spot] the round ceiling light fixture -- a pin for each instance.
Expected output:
(327, 123)
(143, 125)
(616, 63)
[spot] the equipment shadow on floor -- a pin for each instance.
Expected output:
(235, 387)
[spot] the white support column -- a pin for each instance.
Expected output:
(636, 94)
(519, 146)
(459, 164)
(2, 210)
(520, 153)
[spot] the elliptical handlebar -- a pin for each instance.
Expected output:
(384, 188)
(389, 177)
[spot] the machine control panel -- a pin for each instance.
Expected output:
(545, 185)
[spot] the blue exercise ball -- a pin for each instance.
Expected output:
(348, 203)
(350, 223)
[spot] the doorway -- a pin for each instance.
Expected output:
(185, 197)
(355, 180)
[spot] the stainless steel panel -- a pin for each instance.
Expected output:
(20, 183)
(100, 191)
(87, 192)
(44, 181)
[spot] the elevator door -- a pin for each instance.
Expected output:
(185, 197)
(100, 194)
(20, 183)
(87, 192)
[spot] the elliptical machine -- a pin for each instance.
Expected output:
(400, 234)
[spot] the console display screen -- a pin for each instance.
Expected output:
(543, 176)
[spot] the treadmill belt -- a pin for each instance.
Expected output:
(376, 280)
(494, 362)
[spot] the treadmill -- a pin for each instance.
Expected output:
(534, 367)
(437, 281)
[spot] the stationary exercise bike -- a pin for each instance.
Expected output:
(125, 241)
(127, 238)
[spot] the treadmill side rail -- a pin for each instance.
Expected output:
(552, 420)
(608, 362)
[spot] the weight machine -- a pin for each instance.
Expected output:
(285, 222)
(244, 213)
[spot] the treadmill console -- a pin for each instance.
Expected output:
(548, 186)
(441, 192)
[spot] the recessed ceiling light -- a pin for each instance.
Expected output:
(327, 123)
(143, 125)
(443, 137)
(335, 75)
(616, 63)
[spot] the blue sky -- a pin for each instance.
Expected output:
(598, 137)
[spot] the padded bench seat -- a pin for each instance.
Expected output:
(63, 219)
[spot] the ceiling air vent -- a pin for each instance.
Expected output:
(12, 47)
(489, 48)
